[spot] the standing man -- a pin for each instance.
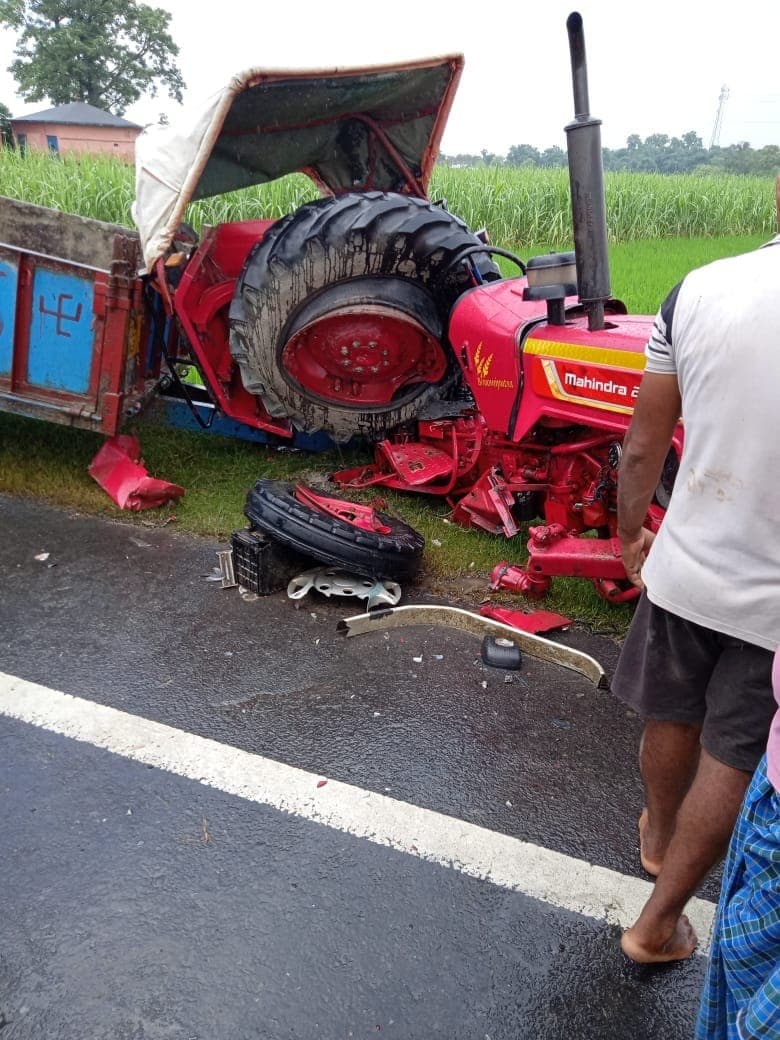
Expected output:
(741, 998)
(696, 663)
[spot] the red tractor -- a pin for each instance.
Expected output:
(376, 312)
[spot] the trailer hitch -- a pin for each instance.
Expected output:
(466, 621)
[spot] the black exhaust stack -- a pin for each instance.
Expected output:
(586, 176)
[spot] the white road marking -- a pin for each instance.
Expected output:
(562, 881)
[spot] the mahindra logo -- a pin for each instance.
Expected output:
(604, 386)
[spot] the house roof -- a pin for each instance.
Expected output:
(77, 112)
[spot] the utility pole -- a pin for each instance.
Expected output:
(723, 98)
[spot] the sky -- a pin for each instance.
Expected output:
(655, 67)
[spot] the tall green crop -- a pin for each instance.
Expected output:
(518, 207)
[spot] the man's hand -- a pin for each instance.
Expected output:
(634, 549)
(645, 446)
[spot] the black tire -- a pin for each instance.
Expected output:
(501, 653)
(372, 247)
(272, 507)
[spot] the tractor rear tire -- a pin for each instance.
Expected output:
(335, 260)
(271, 506)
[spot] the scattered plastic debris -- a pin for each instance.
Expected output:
(321, 783)
(331, 581)
(42, 557)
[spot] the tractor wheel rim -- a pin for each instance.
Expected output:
(364, 353)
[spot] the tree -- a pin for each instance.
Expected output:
(553, 157)
(692, 142)
(6, 136)
(523, 155)
(107, 53)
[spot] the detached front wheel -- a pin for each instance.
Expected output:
(357, 539)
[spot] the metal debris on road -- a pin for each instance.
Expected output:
(454, 617)
(226, 570)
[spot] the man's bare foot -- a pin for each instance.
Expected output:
(679, 945)
(651, 863)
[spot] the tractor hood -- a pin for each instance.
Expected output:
(374, 128)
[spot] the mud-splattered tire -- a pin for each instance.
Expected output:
(272, 507)
(339, 259)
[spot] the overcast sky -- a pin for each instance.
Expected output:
(654, 67)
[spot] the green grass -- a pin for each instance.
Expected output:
(50, 463)
(643, 272)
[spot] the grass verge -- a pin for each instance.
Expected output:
(50, 463)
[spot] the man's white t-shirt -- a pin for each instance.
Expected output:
(716, 559)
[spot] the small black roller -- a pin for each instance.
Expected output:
(501, 653)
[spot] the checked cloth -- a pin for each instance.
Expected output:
(741, 998)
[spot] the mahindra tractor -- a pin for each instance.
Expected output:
(374, 312)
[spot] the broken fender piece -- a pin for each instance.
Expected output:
(536, 621)
(118, 469)
(454, 617)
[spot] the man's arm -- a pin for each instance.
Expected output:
(644, 450)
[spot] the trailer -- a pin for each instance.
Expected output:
(74, 321)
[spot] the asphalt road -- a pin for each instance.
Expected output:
(247, 826)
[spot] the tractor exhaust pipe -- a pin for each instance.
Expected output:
(586, 176)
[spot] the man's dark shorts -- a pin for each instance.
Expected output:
(672, 670)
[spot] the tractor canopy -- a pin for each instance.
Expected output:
(364, 129)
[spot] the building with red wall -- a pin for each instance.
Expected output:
(77, 128)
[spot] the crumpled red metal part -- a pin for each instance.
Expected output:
(536, 621)
(361, 516)
(118, 469)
